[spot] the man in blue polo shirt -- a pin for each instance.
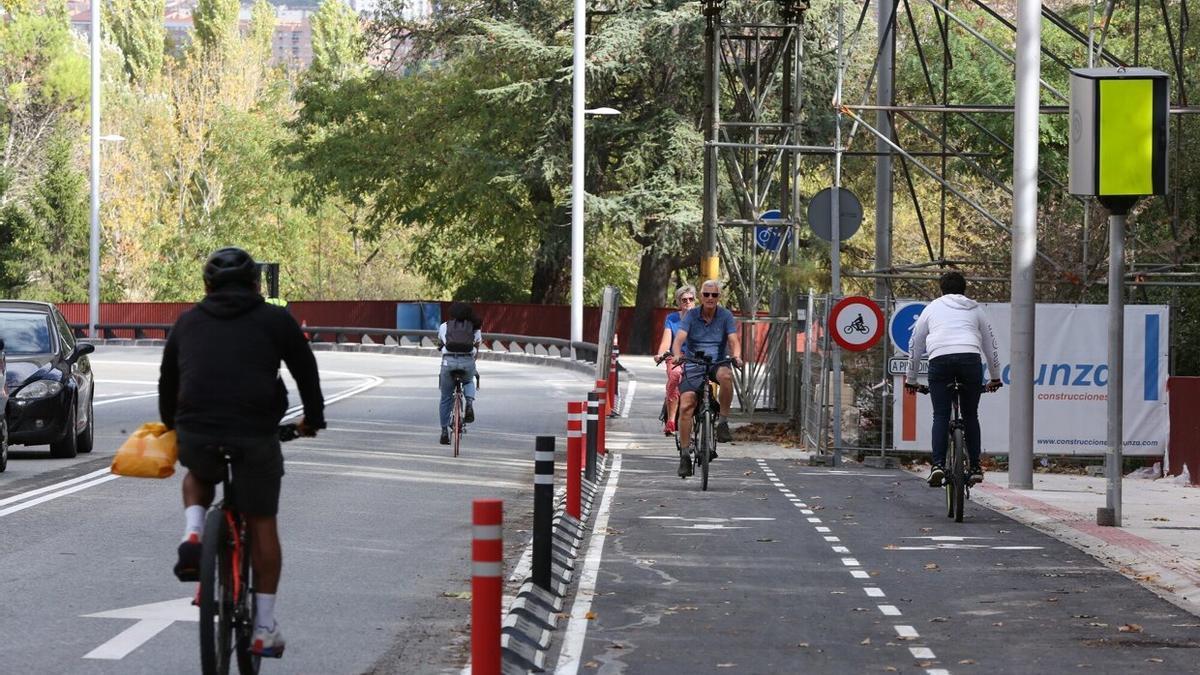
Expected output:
(711, 330)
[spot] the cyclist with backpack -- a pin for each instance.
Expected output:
(459, 339)
(219, 385)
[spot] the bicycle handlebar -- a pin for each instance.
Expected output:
(924, 389)
(707, 361)
(288, 432)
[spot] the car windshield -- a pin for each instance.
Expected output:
(25, 332)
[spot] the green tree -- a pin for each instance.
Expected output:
(337, 42)
(136, 26)
(15, 231)
(216, 25)
(262, 28)
(59, 214)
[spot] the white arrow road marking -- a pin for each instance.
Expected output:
(151, 620)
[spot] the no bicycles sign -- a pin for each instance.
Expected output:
(856, 322)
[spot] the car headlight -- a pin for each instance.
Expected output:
(39, 389)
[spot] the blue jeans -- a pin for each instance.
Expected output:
(454, 362)
(967, 370)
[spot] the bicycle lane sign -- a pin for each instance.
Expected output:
(857, 323)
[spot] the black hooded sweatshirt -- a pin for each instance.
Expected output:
(220, 368)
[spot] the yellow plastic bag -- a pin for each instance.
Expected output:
(149, 453)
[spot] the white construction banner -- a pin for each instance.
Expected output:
(1070, 382)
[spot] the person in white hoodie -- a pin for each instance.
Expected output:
(955, 332)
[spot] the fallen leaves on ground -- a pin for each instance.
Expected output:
(589, 616)
(931, 566)
(457, 595)
(939, 619)
(1097, 624)
(1154, 659)
(779, 433)
(865, 641)
(1130, 628)
(967, 662)
(765, 540)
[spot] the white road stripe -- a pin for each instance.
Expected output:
(627, 403)
(807, 512)
(572, 649)
(906, 632)
(922, 652)
(850, 562)
(859, 574)
(874, 592)
(823, 529)
(832, 538)
(889, 610)
(56, 495)
(51, 488)
(840, 549)
(813, 520)
(937, 671)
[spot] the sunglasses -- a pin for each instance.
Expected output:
(711, 295)
(687, 299)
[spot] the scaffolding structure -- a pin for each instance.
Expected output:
(755, 99)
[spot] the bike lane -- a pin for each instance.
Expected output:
(782, 567)
(735, 579)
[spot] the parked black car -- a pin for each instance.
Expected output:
(49, 380)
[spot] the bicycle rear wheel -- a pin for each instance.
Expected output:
(958, 470)
(704, 448)
(216, 596)
(456, 429)
(248, 662)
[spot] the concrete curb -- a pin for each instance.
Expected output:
(532, 621)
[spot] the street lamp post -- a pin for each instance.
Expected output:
(94, 265)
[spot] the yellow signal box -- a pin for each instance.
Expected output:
(1119, 127)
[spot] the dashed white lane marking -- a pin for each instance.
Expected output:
(907, 632)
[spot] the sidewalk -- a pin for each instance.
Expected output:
(1158, 544)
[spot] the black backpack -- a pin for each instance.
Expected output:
(460, 336)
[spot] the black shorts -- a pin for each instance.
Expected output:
(257, 474)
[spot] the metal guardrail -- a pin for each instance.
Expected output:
(495, 342)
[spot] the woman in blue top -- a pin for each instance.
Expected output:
(685, 299)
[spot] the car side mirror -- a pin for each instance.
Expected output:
(81, 349)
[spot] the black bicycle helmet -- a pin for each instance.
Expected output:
(230, 265)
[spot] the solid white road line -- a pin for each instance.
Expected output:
(51, 488)
(56, 495)
(627, 404)
(572, 649)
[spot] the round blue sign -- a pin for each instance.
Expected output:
(904, 319)
(770, 236)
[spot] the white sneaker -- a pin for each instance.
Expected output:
(267, 642)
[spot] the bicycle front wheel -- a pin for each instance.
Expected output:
(704, 449)
(216, 596)
(958, 470)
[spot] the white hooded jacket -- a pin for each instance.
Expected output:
(953, 324)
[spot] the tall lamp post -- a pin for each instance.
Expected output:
(94, 265)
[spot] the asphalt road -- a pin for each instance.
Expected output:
(375, 525)
(783, 568)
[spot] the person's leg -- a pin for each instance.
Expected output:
(940, 377)
(724, 378)
(446, 384)
(674, 376)
(266, 555)
(972, 389)
(469, 389)
(687, 406)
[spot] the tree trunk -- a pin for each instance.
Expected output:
(653, 276)
(551, 283)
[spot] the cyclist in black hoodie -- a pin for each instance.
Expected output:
(219, 384)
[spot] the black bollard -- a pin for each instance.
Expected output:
(543, 509)
(593, 430)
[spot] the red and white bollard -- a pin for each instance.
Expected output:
(613, 381)
(487, 585)
(575, 413)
